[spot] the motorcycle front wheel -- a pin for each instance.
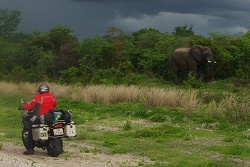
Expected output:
(54, 146)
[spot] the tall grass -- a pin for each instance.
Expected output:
(231, 107)
(8, 88)
(111, 94)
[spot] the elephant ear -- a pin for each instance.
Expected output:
(196, 52)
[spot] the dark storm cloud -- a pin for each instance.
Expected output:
(152, 7)
(93, 17)
(218, 13)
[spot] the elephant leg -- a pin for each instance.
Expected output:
(197, 76)
(199, 72)
(211, 72)
(201, 76)
(195, 71)
(176, 78)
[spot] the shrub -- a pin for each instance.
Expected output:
(71, 75)
(192, 82)
(127, 126)
(157, 117)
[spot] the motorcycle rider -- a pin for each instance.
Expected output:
(41, 104)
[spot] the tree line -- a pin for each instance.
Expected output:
(115, 58)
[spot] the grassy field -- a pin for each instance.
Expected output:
(171, 126)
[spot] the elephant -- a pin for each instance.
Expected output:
(193, 59)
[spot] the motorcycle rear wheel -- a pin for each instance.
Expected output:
(54, 146)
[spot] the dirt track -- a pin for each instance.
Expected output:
(11, 155)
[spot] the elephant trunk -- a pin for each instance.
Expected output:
(211, 67)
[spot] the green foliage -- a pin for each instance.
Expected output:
(60, 35)
(103, 76)
(110, 142)
(137, 79)
(10, 123)
(111, 59)
(163, 131)
(192, 82)
(157, 117)
(18, 74)
(125, 68)
(71, 75)
(184, 31)
(147, 38)
(9, 21)
(92, 50)
(127, 125)
(234, 150)
(232, 53)
(47, 52)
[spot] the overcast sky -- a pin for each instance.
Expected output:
(93, 17)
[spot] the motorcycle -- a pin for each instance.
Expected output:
(49, 129)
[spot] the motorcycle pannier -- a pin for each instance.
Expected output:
(70, 130)
(40, 132)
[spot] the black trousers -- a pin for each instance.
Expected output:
(27, 137)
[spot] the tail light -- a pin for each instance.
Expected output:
(58, 125)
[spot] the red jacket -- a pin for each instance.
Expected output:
(46, 100)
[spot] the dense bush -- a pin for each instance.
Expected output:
(111, 59)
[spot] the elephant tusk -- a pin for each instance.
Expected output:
(209, 61)
(215, 62)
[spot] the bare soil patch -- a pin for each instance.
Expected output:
(11, 155)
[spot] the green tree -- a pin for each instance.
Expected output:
(43, 66)
(147, 38)
(116, 38)
(116, 32)
(9, 21)
(150, 57)
(3, 46)
(232, 55)
(71, 75)
(11, 55)
(68, 56)
(184, 31)
(91, 50)
(50, 53)
(18, 74)
(59, 35)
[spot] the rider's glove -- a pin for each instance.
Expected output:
(20, 108)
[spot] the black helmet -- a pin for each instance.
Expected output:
(43, 88)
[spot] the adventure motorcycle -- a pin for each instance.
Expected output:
(49, 129)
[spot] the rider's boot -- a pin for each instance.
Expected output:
(29, 151)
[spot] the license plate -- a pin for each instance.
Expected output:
(58, 131)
